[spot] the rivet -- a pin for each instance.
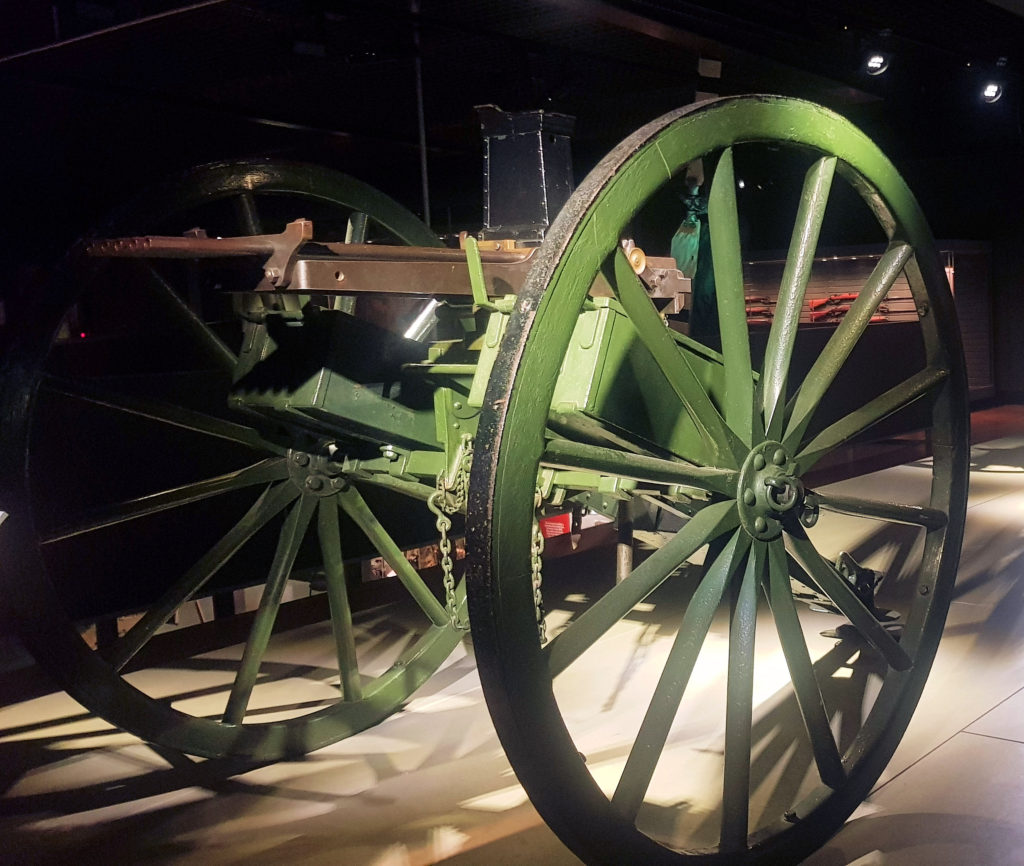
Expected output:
(779, 457)
(760, 524)
(749, 496)
(923, 589)
(759, 461)
(456, 405)
(314, 482)
(301, 458)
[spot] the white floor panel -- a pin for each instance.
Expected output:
(960, 805)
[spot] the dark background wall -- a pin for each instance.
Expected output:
(100, 99)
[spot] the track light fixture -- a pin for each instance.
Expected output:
(992, 88)
(876, 62)
(877, 52)
(991, 91)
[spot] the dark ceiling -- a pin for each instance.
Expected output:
(101, 97)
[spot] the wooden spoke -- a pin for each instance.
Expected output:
(841, 343)
(653, 333)
(215, 347)
(355, 507)
(248, 213)
(654, 730)
(801, 669)
(913, 515)
(723, 223)
(337, 595)
(843, 596)
(269, 504)
(802, 246)
(271, 469)
(290, 539)
(740, 703)
(846, 428)
(565, 454)
(155, 410)
(705, 526)
(355, 229)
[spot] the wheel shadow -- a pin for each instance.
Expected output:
(155, 805)
(849, 673)
(38, 740)
(1002, 461)
(919, 837)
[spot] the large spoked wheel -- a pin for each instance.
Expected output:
(132, 489)
(723, 720)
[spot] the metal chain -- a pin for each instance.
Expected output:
(449, 497)
(536, 563)
(444, 523)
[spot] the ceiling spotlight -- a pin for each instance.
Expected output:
(991, 91)
(877, 62)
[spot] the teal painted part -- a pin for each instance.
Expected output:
(691, 249)
(703, 302)
(685, 246)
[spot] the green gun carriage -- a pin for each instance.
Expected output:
(216, 392)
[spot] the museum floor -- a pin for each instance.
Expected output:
(431, 784)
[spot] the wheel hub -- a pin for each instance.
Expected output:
(768, 490)
(315, 474)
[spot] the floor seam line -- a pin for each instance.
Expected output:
(914, 763)
(990, 709)
(938, 746)
(993, 737)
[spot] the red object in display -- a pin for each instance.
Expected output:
(557, 524)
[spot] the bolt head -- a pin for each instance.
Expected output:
(315, 482)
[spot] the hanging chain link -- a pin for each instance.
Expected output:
(449, 498)
(536, 563)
